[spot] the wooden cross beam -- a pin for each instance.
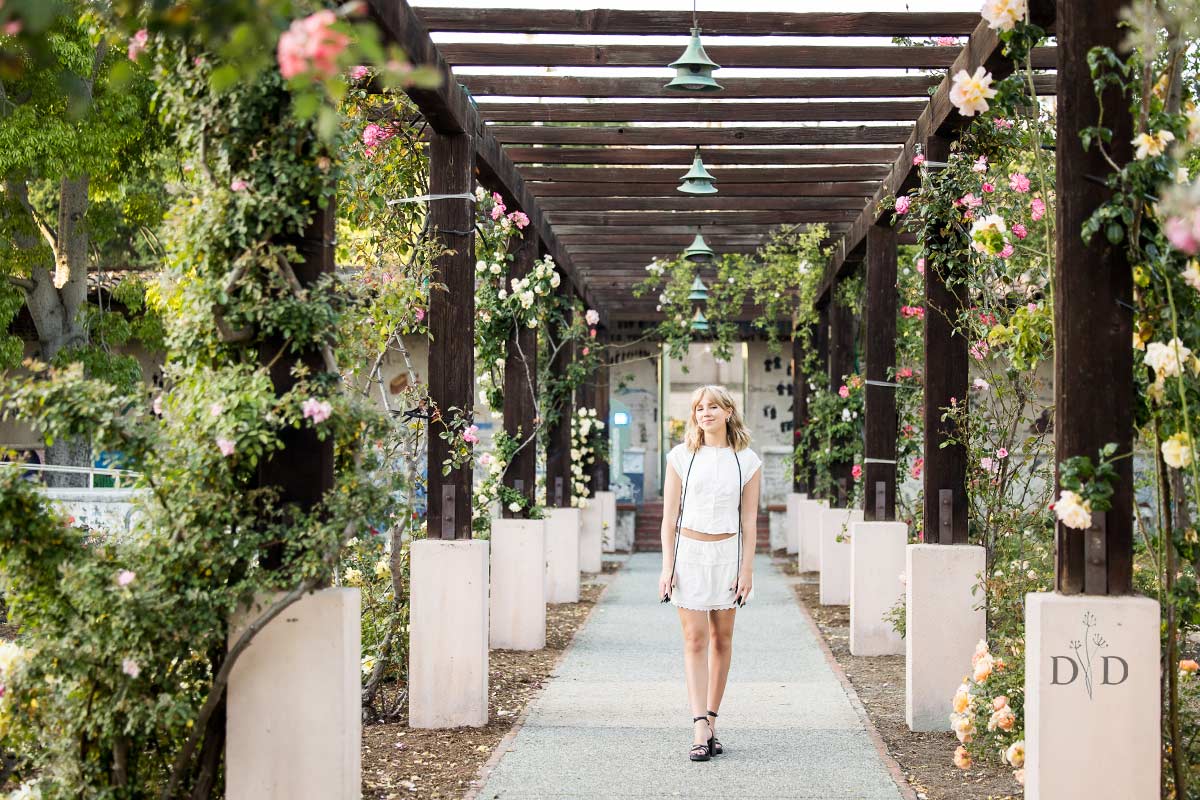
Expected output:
(726, 177)
(856, 188)
(733, 88)
(713, 156)
(693, 136)
(667, 111)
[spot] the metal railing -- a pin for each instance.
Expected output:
(116, 474)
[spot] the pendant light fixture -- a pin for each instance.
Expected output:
(697, 180)
(693, 69)
(698, 250)
(699, 291)
(699, 322)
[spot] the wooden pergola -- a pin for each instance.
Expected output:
(594, 161)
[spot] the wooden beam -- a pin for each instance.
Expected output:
(716, 23)
(632, 134)
(704, 218)
(842, 326)
(829, 189)
(613, 237)
(449, 111)
(558, 436)
(520, 54)
(733, 88)
(666, 111)
(451, 327)
(1093, 316)
(503, 85)
(880, 422)
(800, 480)
(728, 176)
(983, 49)
(713, 156)
(708, 203)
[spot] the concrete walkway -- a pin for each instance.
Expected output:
(614, 721)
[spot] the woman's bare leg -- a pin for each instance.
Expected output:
(695, 666)
(720, 652)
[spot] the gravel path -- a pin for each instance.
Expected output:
(614, 722)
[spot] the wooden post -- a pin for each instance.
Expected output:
(879, 428)
(800, 480)
(452, 326)
(945, 383)
(303, 470)
(558, 440)
(599, 470)
(821, 340)
(1093, 365)
(840, 363)
(520, 383)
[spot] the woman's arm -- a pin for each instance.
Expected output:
(671, 487)
(750, 494)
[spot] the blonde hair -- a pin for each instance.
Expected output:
(735, 426)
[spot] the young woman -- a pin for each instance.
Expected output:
(710, 513)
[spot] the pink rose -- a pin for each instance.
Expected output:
(13, 28)
(226, 446)
(130, 668)
(519, 218)
(498, 211)
(947, 41)
(359, 72)
(988, 464)
(980, 350)
(988, 188)
(1002, 453)
(592, 332)
(1182, 235)
(904, 372)
(311, 45)
(920, 266)
(471, 435)
(1037, 208)
(1018, 182)
(420, 314)
(1020, 231)
(1003, 123)
(585, 350)
(1031, 307)
(156, 406)
(137, 44)
(592, 317)
(902, 204)
(856, 472)
(238, 185)
(316, 410)
(125, 577)
(980, 164)
(969, 200)
(1007, 251)
(844, 391)
(918, 160)
(915, 469)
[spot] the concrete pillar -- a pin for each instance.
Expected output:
(294, 723)
(777, 522)
(942, 627)
(794, 503)
(835, 555)
(591, 517)
(518, 586)
(876, 567)
(448, 633)
(608, 520)
(810, 534)
(1092, 713)
(562, 555)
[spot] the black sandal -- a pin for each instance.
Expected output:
(713, 744)
(701, 752)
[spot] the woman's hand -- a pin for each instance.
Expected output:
(664, 584)
(745, 583)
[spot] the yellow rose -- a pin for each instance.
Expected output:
(1177, 451)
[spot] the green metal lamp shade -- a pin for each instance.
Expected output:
(699, 291)
(697, 180)
(693, 69)
(698, 251)
(699, 322)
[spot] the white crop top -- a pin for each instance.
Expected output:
(711, 502)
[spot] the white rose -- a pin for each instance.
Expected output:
(555, 280)
(1004, 14)
(514, 507)
(494, 269)
(1177, 451)
(1166, 359)
(1073, 511)
(480, 266)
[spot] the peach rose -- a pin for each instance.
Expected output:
(962, 759)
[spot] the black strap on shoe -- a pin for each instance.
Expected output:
(712, 714)
(678, 525)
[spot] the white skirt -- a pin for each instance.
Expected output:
(705, 573)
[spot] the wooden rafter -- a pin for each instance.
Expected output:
(856, 188)
(683, 135)
(734, 88)
(713, 156)
(672, 175)
(861, 110)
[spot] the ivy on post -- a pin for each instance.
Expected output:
(1093, 302)
(451, 328)
(840, 364)
(879, 428)
(945, 505)
(520, 385)
(821, 339)
(558, 438)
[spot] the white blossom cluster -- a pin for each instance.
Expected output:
(582, 453)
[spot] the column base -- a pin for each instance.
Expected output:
(835, 555)
(294, 710)
(1092, 714)
(876, 563)
(942, 628)
(562, 555)
(795, 501)
(448, 633)
(590, 536)
(810, 534)
(608, 521)
(518, 586)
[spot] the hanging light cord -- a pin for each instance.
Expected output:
(695, 22)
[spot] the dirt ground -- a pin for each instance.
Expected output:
(399, 762)
(924, 758)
